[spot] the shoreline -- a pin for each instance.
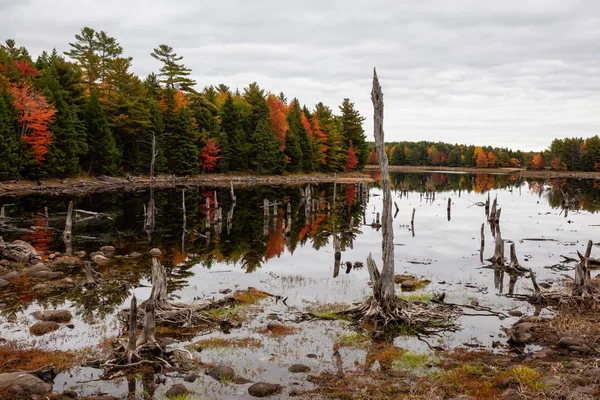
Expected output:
(525, 173)
(85, 185)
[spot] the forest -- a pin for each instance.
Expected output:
(85, 112)
(569, 154)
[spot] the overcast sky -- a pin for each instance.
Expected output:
(512, 73)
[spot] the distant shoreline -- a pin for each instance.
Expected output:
(85, 185)
(525, 173)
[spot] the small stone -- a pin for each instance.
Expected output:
(474, 302)
(80, 254)
(47, 275)
(545, 285)
(71, 394)
(60, 316)
(11, 276)
(107, 250)
(135, 254)
(70, 326)
(22, 385)
(510, 394)
(239, 380)
(40, 287)
(3, 283)
(408, 285)
(311, 355)
(43, 327)
(551, 381)
(67, 282)
(100, 259)
(35, 269)
(190, 377)
(155, 252)
(298, 368)
(543, 353)
(515, 313)
(263, 389)
(51, 257)
(583, 391)
(177, 390)
(566, 342)
(221, 373)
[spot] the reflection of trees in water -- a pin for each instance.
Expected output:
(587, 191)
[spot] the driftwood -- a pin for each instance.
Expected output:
(90, 283)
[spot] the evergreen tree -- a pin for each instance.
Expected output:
(298, 134)
(180, 136)
(10, 145)
(175, 75)
(352, 130)
(334, 154)
(265, 157)
(235, 154)
(259, 110)
(103, 156)
(85, 51)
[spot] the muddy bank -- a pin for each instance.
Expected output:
(81, 186)
(524, 172)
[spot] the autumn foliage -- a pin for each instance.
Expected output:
(537, 162)
(34, 114)
(209, 154)
(278, 119)
(352, 159)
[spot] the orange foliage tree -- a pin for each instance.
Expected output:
(34, 114)
(515, 163)
(491, 159)
(209, 154)
(320, 138)
(537, 162)
(373, 160)
(482, 160)
(278, 119)
(352, 159)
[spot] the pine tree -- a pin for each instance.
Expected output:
(180, 136)
(235, 155)
(259, 110)
(334, 154)
(175, 74)
(352, 130)
(298, 137)
(265, 157)
(85, 51)
(10, 146)
(103, 156)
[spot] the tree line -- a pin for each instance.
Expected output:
(84, 111)
(572, 154)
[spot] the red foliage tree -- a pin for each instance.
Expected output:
(34, 114)
(278, 119)
(25, 69)
(352, 159)
(482, 160)
(209, 154)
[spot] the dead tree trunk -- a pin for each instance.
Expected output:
(90, 282)
(580, 285)
(487, 206)
(131, 345)
(482, 246)
(147, 335)
(514, 266)
(232, 193)
(153, 156)
(449, 206)
(412, 222)
(67, 235)
(498, 257)
(385, 293)
(159, 284)
(150, 213)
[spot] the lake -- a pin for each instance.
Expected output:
(288, 252)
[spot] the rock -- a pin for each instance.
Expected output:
(238, 380)
(71, 394)
(35, 269)
(274, 325)
(60, 316)
(551, 381)
(263, 389)
(221, 373)
(20, 384)
(177, 390)
(474, 302)
(20, 251)
(581, 349)
(67, 282)
(545, 285)
(3, 283)
(543, 353)
(135, 254)
(190, 377)
(510, 394)
(297, 368)
(40, 287)
(43, 327)
(311, 355)
(566, 342)
(51, 256)
(107, 250)
(47, 275)
(408, 285)
(80, 254)
(100, 259)
(167, 341)
(515, 313)
(155, 252)
(463, 397)
(583, 392)
(11, 276)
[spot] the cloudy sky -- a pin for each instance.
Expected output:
(512, 73)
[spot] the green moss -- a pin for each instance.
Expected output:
(410, 297)
(410, 361)
(351, 339)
